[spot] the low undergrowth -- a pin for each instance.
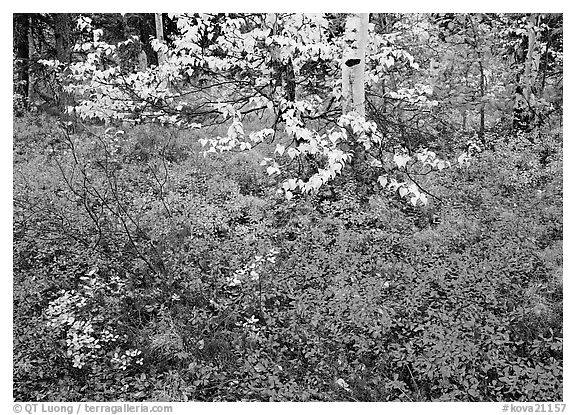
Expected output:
(143, 271)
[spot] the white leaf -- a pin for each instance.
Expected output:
(289, 195)
(271, 170)
(375, 163)
(413, 189)
(401, 160)
(394, 185)
(292, 152)
(423, 198)
(403, 191)
(463, 158)
(343, 384)
(280, 149)
(383, 181)
(315, 182)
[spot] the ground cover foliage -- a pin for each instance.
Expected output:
(144, 271)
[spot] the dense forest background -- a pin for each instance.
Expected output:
(198, 216)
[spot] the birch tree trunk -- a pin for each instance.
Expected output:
(528, 64)
(523, 110)
(353, 63)
(31, 60)
(353, 94)
(142, 61)
(161, 55)
(474, 24)
(160, 36)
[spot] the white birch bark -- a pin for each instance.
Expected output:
(142, 61)
(31, 58)
(532, 57)
(353, 63)
(161, 55)
(160, 36)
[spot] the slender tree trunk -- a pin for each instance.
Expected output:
(62, 27)
(545, 68)
(532, 57)
(482, 104)
(161, 55)
(482, 85)
(290, 79)
(353, 94)
(123, 26)
(160, 36)
(21, 28)
(145, 35)
(31, 58)
(523, 110)
(142, 61)
(353, 63)
(467, 84)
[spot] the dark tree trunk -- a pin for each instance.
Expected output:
(21, 28)
(62, 38)
(290, 79)
(147, 25)
(62, 27)
(123, 27)
(483, 104)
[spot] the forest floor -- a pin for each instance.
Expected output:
(144, 271)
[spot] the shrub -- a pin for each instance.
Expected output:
(200, 284)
